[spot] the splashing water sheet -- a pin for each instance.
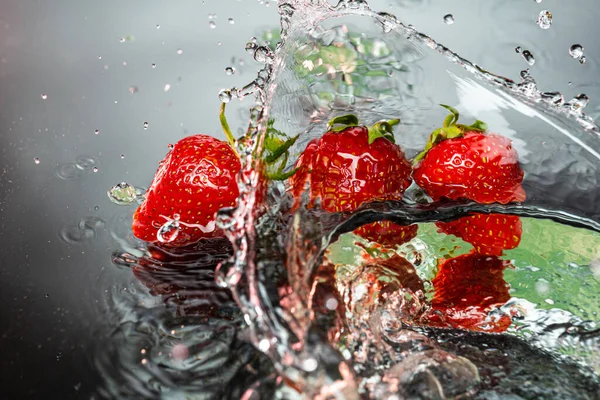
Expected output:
(296, 302)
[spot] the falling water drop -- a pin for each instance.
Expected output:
(230, 70)
(180, 51)
(582, 60)
(231, 21)
(153, 65)
(167, 87)
(97, 131)
(157, 26)
(545, 19)
(122, 194)
(212, 24)
(169, 231)
(44, 96)
(576, 50)
(36, 160)
(145, 125)
(95, 169)
(448, 19)
(518, 49)
(528, 57)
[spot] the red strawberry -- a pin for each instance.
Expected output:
(463, 162)
(467, 288)
(195, 180)
(351, 165)
(490, 234)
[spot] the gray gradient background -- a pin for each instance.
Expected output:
(50, 289)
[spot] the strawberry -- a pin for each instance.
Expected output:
(195, 179)
(464, 162)
(467, 288)
(490, 234)
(350, 165)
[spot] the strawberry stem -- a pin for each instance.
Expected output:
(225, 126)
(449, 130)
(346, 120)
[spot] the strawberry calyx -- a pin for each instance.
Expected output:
(450, 130)
(379, 129)
(275, 150)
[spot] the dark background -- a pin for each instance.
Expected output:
(55, 276)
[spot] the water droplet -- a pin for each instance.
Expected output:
(180, 51)
(538, 1)
(264, 345)
(262, 54)
(250, 47)
(99, 57)
(212, 24)
(582, 60)
(122, 156)
(576, 50)
(44, 96)
(212, 16)
(528, 57)
(133, 89)
(578, 103)
(96, 208)
(167, 87)
(36, 160)
(230, 70)
(231, 21)
(169, 231)
(225, 95)
(310, 364)
(122, 194)
(518, 49)
(157, 26)
(153, 65)
(97, 131)
(145, 125)
(448, 19)
(545, 19)
(122, 40)
(95, 169)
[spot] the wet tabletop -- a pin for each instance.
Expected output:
(91, 94)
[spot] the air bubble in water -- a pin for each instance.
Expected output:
(545, 19)
(169, 231)
(230, 70)
(448, 19)
(145, 125)
(231, 21)
(576, 50)
(528, 57)
(44, 96)
(180, 51)
(122, 194)
(225, 95)
(212, 24)
(36, 160)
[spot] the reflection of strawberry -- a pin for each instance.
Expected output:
(195, 180)
(350, 165)
(464, 162)
(467, 288)
(490, 234)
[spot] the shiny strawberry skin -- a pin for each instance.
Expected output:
(345, 171)
(490, 234)
(195, 179)
(467, 288)
(480, 167)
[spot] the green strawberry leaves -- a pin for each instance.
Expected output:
(450, 130)
(382, 129)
